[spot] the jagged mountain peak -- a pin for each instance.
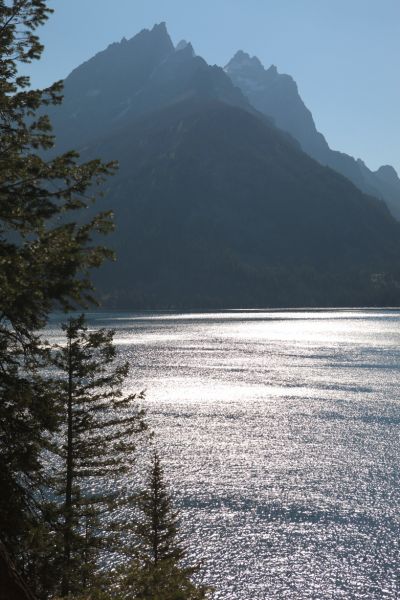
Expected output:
(273, 70)
(185, 45)
(134, 77)
(182, 44)
(121, 57)
(388, 173)
(158, 34)
(243, 60)
(160, 28)
(249, 67)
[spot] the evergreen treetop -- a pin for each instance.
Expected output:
(158, 570)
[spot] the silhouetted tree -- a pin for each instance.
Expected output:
(45, 259)
(100, 435)
(158, 571)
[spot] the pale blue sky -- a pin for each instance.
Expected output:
(344, 54)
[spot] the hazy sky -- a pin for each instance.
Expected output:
(344, 54)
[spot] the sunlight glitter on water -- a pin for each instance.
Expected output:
(280, 434)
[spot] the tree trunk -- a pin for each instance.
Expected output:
(12, 586)
(65, 586)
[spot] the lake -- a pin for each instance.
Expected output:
(279, 432)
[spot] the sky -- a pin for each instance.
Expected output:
(343, 54)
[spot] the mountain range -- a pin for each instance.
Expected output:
(225, 194)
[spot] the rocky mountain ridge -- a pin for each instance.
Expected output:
(276, 95)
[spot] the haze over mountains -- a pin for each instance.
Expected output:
(133, 78)
(277, 96)
(216, 203)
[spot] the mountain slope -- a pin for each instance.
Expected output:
(277, 96)
(216, 208)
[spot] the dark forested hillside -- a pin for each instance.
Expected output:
(215, 208)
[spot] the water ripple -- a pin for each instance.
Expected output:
(280, 435)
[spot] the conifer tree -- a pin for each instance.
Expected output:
(157, 532)
(158, 571)
(45, 259)
(100, 434)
